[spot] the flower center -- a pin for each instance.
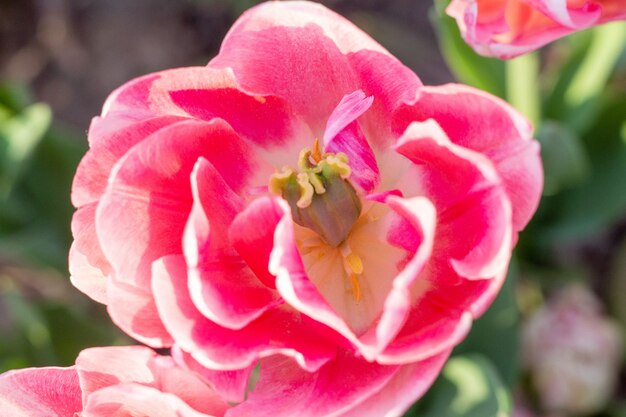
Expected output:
(319, 194)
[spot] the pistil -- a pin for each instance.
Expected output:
(319, 193)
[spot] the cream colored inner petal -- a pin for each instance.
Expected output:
(356, 294)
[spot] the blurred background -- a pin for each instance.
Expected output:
(553, 340)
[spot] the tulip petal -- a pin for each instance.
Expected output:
(88, 266)
(278, 331)
(305, 51)
(40, 392)
(133, 310)
(230, 385)
(108, 147)
(252, 235)
(222, 286)
(343, 134)
(408, 385)
(466, 190)
(346, 386)
(99, 368)
(138, 401)
(142, 215)
(483, 123)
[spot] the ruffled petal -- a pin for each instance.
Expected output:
(108, 145)
(346, 386)
(142, 215)
(488, 125)
(88, 266)
(135, 400)
(305, 51)
(408, 384)
(221, 284)
(470, 201)
(99, 368)
(40, 392)
(252, 235)
(133, 310)
(230, 385)
(280, 330)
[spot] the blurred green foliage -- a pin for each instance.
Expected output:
(43, 321)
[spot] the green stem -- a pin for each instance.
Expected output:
(606, 47)
(522, 85)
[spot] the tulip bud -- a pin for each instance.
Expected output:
(573, 353)
(320, 195)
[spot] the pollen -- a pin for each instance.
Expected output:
(355, 263)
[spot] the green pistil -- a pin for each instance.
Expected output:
(319, 194)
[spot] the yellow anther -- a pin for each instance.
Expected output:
(356, 288)
(355, 263)
(306, 190)
(317, 154)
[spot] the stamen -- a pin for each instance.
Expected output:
(355, 263)
(356, 288)
(317, 154)
(319, 193)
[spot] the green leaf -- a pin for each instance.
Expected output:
(470, 68)
(469, 386)
(607, 45)
(599, 201)
(496, 334)
(19, 137)
(565, 160)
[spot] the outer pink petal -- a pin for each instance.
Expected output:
(347, 386)
(278, 331)
(108, 145)
(88, 266)
(230, 385)
(305, 52)
(486, 124)
(408, 385)
(133, 310)
(40, 392)
(134, 400)
(343, 134)
(142, 215)
(221, 284)
(466, 191)
(336, 387)
(100, 368)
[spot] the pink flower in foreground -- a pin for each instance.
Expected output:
(113, 381)
(303, 201)
(573, 353)
(508, 28)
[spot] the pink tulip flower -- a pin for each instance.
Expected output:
(304, 202)
(508, 28)
(112, 381)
